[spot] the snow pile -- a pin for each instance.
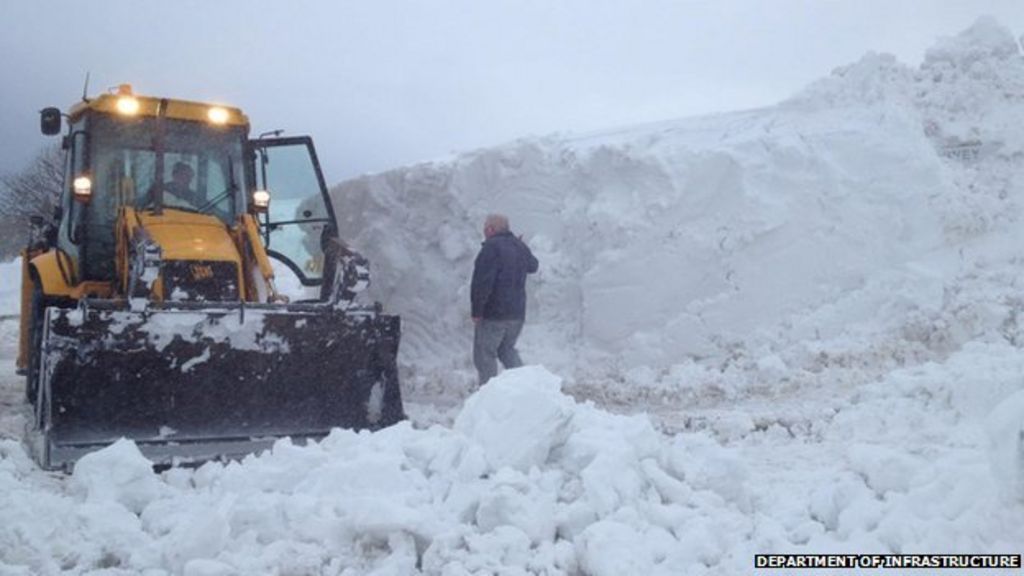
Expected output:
(529, 481)
(920, 472)
(674, 247)
(732, 251)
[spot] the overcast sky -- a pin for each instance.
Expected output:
(382, 83)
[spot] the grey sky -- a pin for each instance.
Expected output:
(381, 83)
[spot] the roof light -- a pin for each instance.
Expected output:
(217, 115)
(128, 105)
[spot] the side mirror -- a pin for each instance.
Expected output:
(50, 121)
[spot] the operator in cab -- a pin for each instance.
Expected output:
(180, 186)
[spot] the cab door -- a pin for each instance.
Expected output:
(300, 214)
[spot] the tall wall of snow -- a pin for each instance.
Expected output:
(770, 234)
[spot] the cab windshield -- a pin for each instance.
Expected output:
(197, 166)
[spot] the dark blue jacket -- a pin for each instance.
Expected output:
(498, 291)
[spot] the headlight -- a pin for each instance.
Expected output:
(261, 200)
(217, 115)
(83, 188)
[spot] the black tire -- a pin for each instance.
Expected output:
(35, 332)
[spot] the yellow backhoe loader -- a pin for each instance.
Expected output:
(149, 305)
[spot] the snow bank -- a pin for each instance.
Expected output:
(655, 251)
(731, 252)
(838, 274)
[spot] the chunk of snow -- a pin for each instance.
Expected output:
(118, 473)
(518, 417)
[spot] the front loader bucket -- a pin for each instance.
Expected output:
(197, 382)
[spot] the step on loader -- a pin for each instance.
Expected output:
(149, 304)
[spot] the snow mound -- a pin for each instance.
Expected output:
(528, 397)
(729, 253)
(118, 474)
(529, 481)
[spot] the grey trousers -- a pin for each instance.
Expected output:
(495, 340)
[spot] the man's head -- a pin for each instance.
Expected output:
(182, 174)
(495, 224)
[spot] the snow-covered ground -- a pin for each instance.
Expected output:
(791, 329)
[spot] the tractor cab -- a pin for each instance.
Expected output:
(158, 156)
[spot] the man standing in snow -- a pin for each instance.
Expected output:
(498, 297)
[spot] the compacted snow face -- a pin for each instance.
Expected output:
(730, 252)
(817, 304)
